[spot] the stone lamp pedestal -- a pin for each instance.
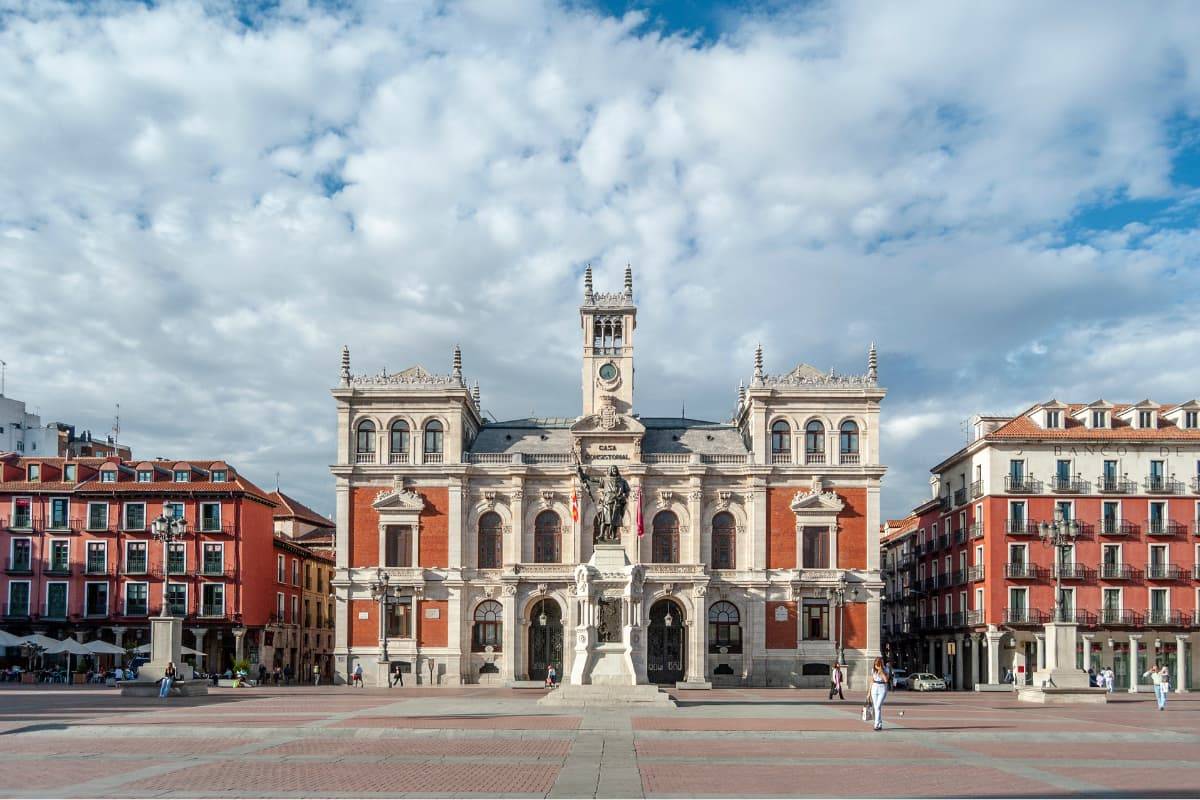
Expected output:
(166, 645)
(1061, 681)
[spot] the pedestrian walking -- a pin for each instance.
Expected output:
(168, 680)
(1161, 679)
(879, 680)
(551, 677)
(358, 673)
(287, 674)
(262, 674)
(397, 677)
(1110, 679)
(835, 682)
(316, 673)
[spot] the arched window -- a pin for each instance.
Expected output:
(365, 440)
(664, 540)
(491, 538)
(488, 626)
(398, 445)
(433, 438)
(848, 439)
(547, 531)
(724, 541)
(814, 443)
(781, 439)
(724, 628)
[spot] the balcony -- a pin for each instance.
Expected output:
(136, 568)
(1111, 484)
(975, 530)
(433, 458)
(1079, 617)
(367, 457)
(1164, 572)
(58, 569)
(944, 502)
(1118, 572)
(18, 566)
(96, 613)
(216, 529)
(209, 610)
(943, 541)
(1165, 618)
(1159, 527)
(54, 611)
(975, 573)
(976, 490)
(216, 571)
(960, 536)
(776, 458)
(1119, 616)
(1072, 572)
(973, 618)
(1022, 484)
(919, 549)
(1117, 527)
(848, 459)
(1068, 485)
(1023, 616)
(958, 577)
(98, 526)
(97, 568)
(15, 611)
(1021, 527)
(1021, 571)
(960, 497)
(21, 523)
(398, 458)
(1160, 484)
(135, 610)
(65, 525)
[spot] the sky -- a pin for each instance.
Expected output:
(200, 203)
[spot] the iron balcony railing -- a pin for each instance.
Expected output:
(944, 502)
(96, 613)
(1173, 619)
(1021, 527)
(1022, 571)
(1165, 527)
(58, 568)
(1119, 616)
(216, 571)
(1160, 484)
(1022, 484)
(975, 530)
(1163, 572)
(1023, 616)
(976, 490)
(943, 541)
(1074, 572)
(1110, 526)
(54, 611)
(15, 610)
(1195, 484)
(97, 567)
(18, 566)
(1118, 572)
(210, 610)
(974, 617)
(1069, 485)
(960, 496)
(975, 573)
(1111, 484)
(63, 525)
(137, 567)
(21, 522)
(960, 535)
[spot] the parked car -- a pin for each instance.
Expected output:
(899, 679)
(926, 682)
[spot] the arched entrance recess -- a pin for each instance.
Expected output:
(666, 651)
(545, 638)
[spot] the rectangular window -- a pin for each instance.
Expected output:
(69, 473)
(1018, 605)
(1016, 516)
(176, 558)
(214, 558)
(1111, 558)
(280, 568)
(59, 513)
(1099, 419)
(56, 600)
(295, 618)
(176, 599)
(108, 476)
(173, 510)
(1158, 517)
(181, 476)
(399, 622)
(1145, 419)
(1016, 555)
(35, 472)
(398, 546)
(96, 600)
(21, 558)
(219, 476)
(295, 572)
(18, 598)
(213, 600)
(60, 556)
(135, 558)
(22, 516)
(1159, 605)
(145, 475)
(135, 516)
(1111, 515)
(97, 558)
(1157, 472)
(816, 547)
(97, 516)
(137, 599)
(1190, 419)
(1158, 555)
(1016, 470)
(210, 516)
(279, 606)
(1064, 507)
(816, 621)
(1053, 419)
(1062, 471)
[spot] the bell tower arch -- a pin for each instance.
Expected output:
(607, 320)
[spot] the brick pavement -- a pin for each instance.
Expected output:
(341, 742)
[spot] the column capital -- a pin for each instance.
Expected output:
(1087, 637)
(1135, 638)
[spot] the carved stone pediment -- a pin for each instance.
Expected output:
(399, 499)
(815, 501)
(610, 423)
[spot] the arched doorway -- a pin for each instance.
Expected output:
(666, 659)
(545, 639)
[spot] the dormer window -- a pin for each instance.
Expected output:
(145, 476)
(1053, 419)
(108, 476)
(1099, 419)
(220, 476)
(69, 473)
(35, 472)
(1190, 419)
(181, 476)
(1145, 419)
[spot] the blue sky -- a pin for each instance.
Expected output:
(200, 203)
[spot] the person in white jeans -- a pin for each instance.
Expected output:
(879, 680)
(1162, 683)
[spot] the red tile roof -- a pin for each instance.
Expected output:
(291, 508)
(1022, 427)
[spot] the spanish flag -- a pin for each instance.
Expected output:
(641, 525)
(574, 506)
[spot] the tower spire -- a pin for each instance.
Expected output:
(758, 364)
(872, 364)
(457, 371)
(475, 395)
(345, 365)
(587, 285)
(628, 282)
(741, 395)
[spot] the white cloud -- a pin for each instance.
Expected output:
(813, 179)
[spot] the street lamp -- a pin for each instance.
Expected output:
(1060, 534)
(837, 598)
(387, 596)
(168, 529)
(542, 618)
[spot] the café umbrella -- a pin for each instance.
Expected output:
(69, 646)
(183, 650)
(101, 647)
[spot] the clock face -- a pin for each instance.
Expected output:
(608, 372)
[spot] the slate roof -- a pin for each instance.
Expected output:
(663, 435)
(535, 435)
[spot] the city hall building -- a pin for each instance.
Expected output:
(754, 541)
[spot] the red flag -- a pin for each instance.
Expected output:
(574, 506)
(641, 525)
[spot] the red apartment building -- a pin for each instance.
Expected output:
(80, 558)
(969, 582)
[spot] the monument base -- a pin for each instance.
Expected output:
(693, 685)
(607, 695)
(151, 688)
(1070, 695)
(993, 687)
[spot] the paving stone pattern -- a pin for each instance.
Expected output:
(344, 742)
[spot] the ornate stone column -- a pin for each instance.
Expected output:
(119, 636)
(1039, 653)
(695, 497)
(995, 639)
(1135, 641)
(508, 601)
(1180, 676)
(1087, 650)
(514, 550)
(697, 671)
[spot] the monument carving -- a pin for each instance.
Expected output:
(610, 508)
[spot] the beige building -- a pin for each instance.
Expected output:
(458, 537)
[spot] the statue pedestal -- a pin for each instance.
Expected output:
(610, 659)
(1061, 682)
(166, 645)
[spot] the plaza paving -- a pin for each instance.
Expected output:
(338, 741)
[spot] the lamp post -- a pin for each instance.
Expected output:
(168, 530)
(386, 595)
(1060, 534)
(837, 598)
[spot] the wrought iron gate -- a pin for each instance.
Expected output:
(545, 648)
(665, 659)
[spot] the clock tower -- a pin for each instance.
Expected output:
(607, 321)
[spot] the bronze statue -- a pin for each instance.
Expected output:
(610, 508)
